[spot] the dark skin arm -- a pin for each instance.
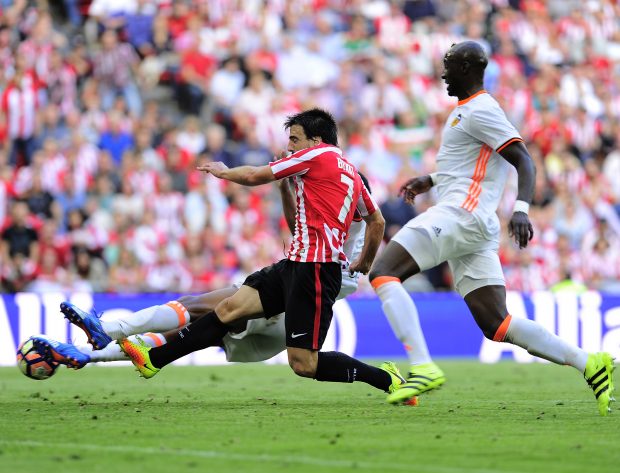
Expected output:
(516, 154)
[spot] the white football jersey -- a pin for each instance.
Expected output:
(470, 172)
(355, 239)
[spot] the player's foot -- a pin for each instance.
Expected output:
(599, 375)
(59, 352)
(427, 376)
(397, 379)
(139, 356)
(421, 378)
(89, 323)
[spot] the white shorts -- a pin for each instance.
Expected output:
(265, 338)
(452, 234)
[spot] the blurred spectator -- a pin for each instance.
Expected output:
(217, 147)
(165, 275)
(196, 68)
(114, 67)
(116, 140)
(139, 26)
(88, 274)
(125, 274)
(39, 200)
(226, 85)
(20, 102)
(61, 82)
(252, 152)
(19, 249)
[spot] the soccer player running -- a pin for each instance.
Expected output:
(478, 146)
(304, 286)
(248, 341)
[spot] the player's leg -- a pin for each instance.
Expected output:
(211, 328)
(395, 264)
(487, 304)
(113, 352)
(201, 305)
(158, 318)
(208, 330)
(312, 290)
(77, 356)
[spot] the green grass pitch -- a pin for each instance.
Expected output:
(258, 418)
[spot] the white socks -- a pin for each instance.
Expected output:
(539, 342)
(402, 314)
(158, 318)
(112, 352)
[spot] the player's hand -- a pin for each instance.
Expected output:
(217, 168)
(521, 229)
(359, 267)
(413, 187)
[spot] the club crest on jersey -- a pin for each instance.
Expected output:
(456, 120)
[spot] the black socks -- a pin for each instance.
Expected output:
(205, 332)
(337, 367)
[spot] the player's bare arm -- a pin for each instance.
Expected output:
(244, 175)
(520, 226)
(415, 186)
(375, 225)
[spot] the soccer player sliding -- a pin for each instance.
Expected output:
(328, 191)
(249, 341)
(477, 148)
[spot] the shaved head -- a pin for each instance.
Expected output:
(464, 66)
(471, 52)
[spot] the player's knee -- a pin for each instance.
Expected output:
(226, 311)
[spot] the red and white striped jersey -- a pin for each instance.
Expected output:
(328, 189)
(20, 104)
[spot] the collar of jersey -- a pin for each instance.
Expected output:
(464, 101)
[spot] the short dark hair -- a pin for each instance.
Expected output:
(365, 181)
(315, 122)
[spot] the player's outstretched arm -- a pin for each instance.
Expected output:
(375, 225)
(244, 175)
(520, 226)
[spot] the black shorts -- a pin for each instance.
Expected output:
(305, 292)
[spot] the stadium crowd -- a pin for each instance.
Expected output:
(108, 106)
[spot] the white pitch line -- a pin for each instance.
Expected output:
(246, 457)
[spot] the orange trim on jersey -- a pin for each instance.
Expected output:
(381, 280)
(155, 339)
(475, 188)
(180, 310)
(509, 142)
(464, 101)
(500, 335)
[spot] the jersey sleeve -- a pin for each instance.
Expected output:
(294, 165)
(493, 128)
(366, 205)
